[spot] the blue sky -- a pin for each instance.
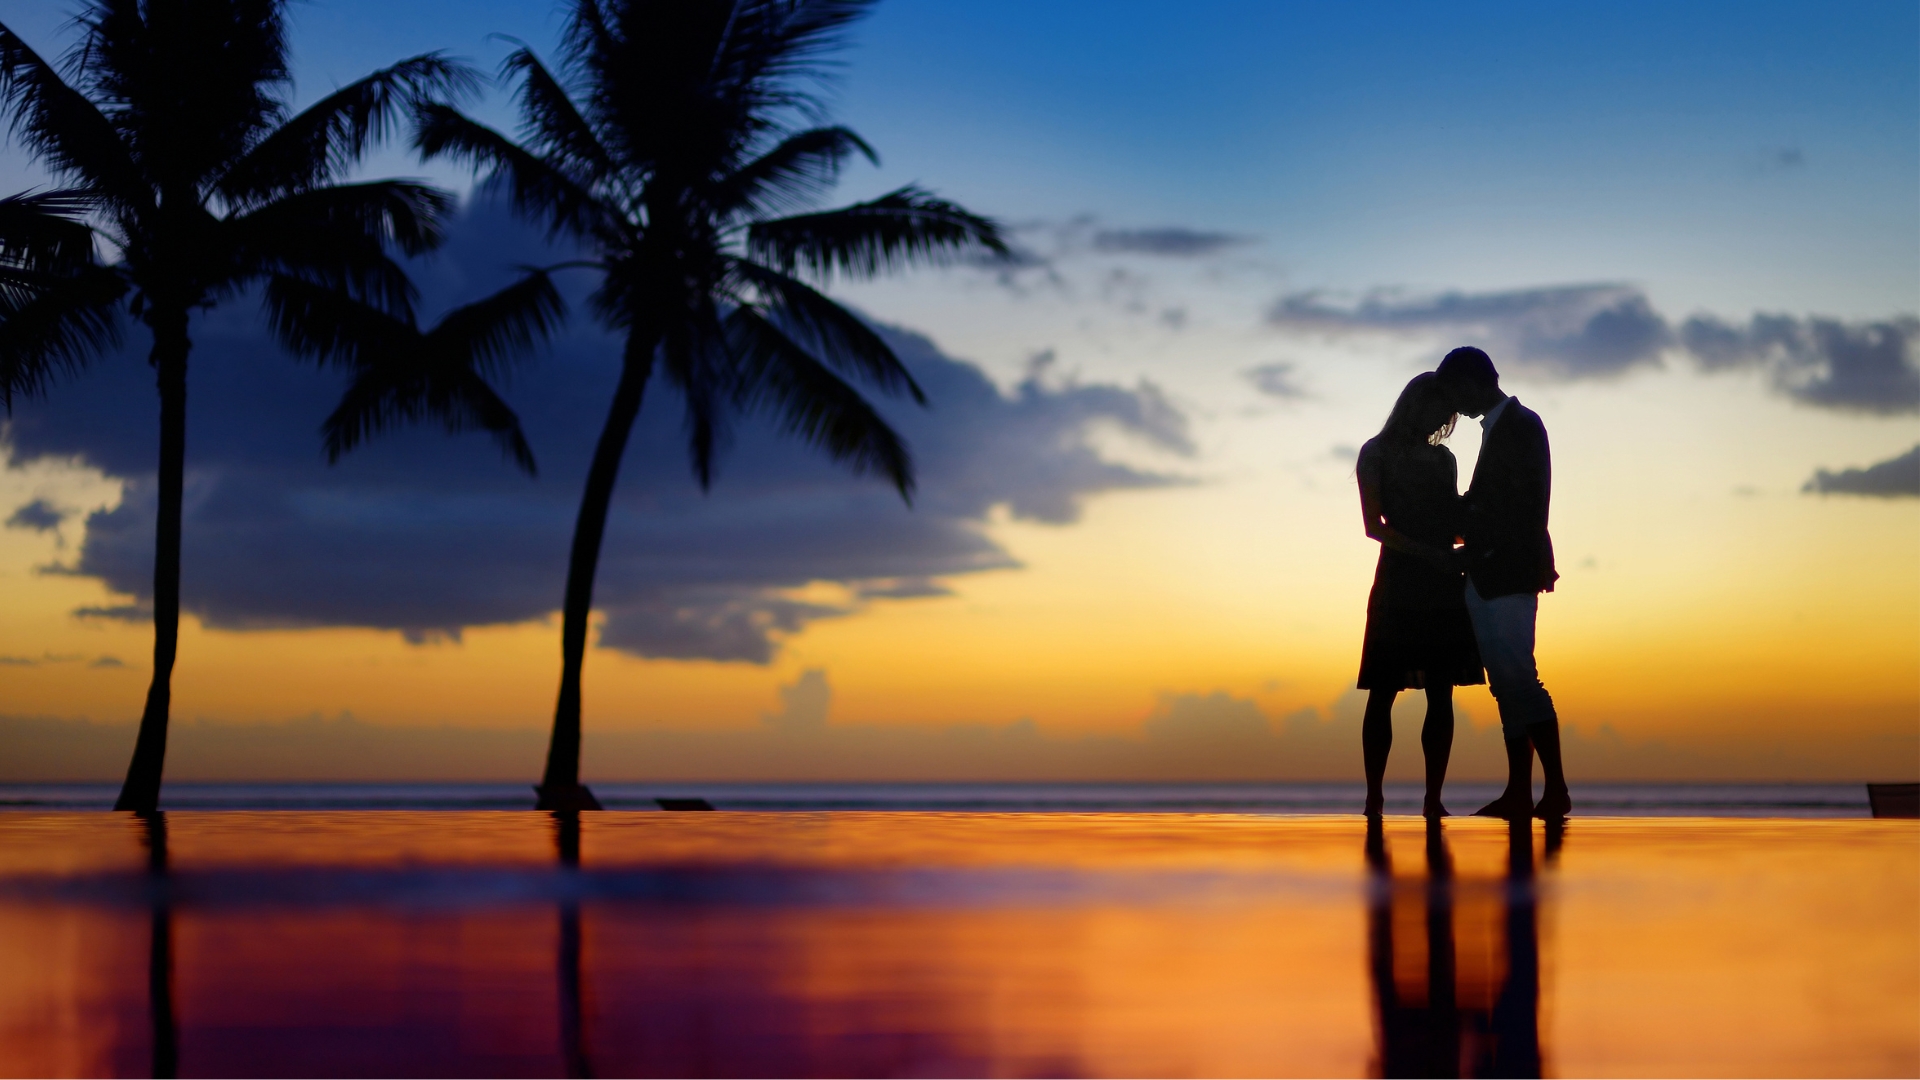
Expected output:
(1729, 156)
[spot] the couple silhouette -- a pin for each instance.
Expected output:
(1442, 616)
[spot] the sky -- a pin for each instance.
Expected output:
(1688, 235)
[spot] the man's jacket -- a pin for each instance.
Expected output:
(1508, 549)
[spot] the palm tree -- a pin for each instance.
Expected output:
(176, 130)
(404, 375)
(676, 144)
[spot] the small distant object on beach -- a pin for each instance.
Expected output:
(1894, 800)
(692, 803)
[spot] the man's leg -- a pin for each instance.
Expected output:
(1376, 739)
(1555, 801)
(1436, 740)
(1503, 627)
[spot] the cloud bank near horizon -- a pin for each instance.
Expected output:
(1189, 737)
(427, 535)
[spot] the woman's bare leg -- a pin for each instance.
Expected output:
(1436, 739)
(1376, 739)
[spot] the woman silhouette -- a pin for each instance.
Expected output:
(1419, 636)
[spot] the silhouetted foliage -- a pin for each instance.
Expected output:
(669, 141)
(403, 375)
(171, 128)
(57, 305)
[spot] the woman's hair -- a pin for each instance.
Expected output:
(1422, 398)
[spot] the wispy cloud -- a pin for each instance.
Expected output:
(1894, 478)
(1280, 380)
(1173, 241)
(1569, 332)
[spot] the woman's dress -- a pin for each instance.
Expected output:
(1418, 631)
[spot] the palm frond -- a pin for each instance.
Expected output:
(551, 123)
(401, 393)
(41, 230)
(696, 357)
(538, 188)
(409, 215)
(329, 326)
(328, 137)
(865, 239)
(800, 168)
(403, 376)
(63, 129)
(837, 335)
(812, 402)
(337, 235)
(56, 328)
(490, 332)
(773, 47)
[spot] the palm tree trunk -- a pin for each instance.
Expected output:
(141, 792)
(560, 789)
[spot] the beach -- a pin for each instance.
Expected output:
(889, 943)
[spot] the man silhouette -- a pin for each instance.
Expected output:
(1508, 559)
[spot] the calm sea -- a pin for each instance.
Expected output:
(1591, 800)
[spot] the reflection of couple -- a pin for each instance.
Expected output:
(1455, 965)
(1437, 613)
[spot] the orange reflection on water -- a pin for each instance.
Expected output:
(876, 944)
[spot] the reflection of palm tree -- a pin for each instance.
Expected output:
(671, 149)
(573, 1041)
(166, 1045)
(175, 132)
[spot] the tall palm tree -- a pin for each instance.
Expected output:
(173, 122)
(677, 142)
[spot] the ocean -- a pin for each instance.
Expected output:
(1590, 800)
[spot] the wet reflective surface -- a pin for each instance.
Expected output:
(363, 943)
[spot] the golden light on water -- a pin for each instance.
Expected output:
(866, 944)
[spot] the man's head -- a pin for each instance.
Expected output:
(1468, 376)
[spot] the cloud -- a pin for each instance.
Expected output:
(1779, 159)
(59, 658)
(1174, 241)
(1576, 332)
(428, 534)
(39, 515)
(804, 703)
(1895, 478)
(1275, 380)
(1865, 367)
(1568, 332)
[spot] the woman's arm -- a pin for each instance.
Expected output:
(1375, 521)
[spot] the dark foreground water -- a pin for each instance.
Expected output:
(448, 943)
(1593, 800)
